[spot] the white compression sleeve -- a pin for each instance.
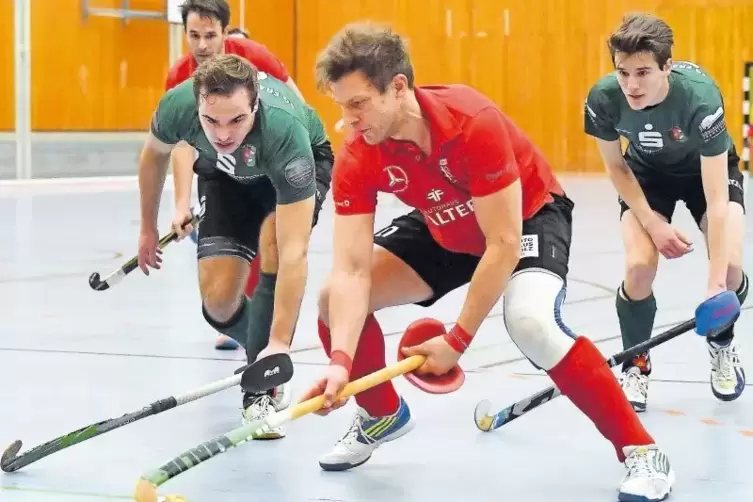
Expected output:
(532, 317)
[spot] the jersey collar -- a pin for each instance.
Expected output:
(444, 128)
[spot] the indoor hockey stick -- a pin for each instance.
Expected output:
(268, 373)
(486, 422)
(146, 489)
(96, 282)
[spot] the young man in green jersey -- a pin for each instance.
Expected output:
(672, 116)
(264, 165)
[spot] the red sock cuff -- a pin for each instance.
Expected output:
(381, 400)
(585, 378)
(582, 357)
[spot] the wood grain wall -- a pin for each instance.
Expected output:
(537, 58)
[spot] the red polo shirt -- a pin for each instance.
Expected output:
(476, 150)
(256, 53)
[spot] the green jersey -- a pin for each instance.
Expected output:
(278, 147)
(671, 136)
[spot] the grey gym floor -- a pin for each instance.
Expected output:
(70, 356)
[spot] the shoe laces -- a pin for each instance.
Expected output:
(260, 406)
(356, 430)
(724, 361)
(634, 381)
(639, 464)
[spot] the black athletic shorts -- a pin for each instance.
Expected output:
(663, 192)
(545, 244)
(234, 212)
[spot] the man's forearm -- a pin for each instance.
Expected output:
(629, 189)
(291, 284)
(348, 308)
(716, 216)
(152, 173)
(182, 157)
(488, 283)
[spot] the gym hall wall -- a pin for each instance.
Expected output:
(537, 58)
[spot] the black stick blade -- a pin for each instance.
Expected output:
(95, 282)
(267, 373)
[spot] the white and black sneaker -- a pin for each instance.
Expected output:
(727, 373)
(650, 476)
(259, 406)
(635, 386)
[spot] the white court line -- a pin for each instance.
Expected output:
(72, 137)
(94, 184)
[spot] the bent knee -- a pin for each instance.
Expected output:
(532, 317)
(639, 279)
(640, 272)
(641, 258)
(221, 307)
(221, 292)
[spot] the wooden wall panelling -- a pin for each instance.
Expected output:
(100, 74)
(272, 23)
(7, 67)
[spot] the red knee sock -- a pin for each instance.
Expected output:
(586, 379)
(253, 277)
(378, 401)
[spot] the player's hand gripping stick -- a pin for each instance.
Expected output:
(96, 282)
(417, 332)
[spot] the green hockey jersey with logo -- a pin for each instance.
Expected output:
(669, 137)
(278, 147)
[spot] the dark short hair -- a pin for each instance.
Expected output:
(643, 33)
(224, 74)
(373, 49)
(213, 9)
(238, 31)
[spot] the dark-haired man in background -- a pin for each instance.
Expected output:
(260, 148)
(673, 117)
(206, 24)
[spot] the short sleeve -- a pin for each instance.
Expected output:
(169, 119)
(598, 115)
(353, 189)
(291, 164)
(710, 126)
(490, 154)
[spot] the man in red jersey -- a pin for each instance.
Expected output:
(206, 25)
(488, 212)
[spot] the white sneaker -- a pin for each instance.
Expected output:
(365, 435)
(635, 386)
(727, 374)
(281, 396)
(258, 407)
(650, 476)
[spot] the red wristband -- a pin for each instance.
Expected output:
(340, 358)
(458, 338)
